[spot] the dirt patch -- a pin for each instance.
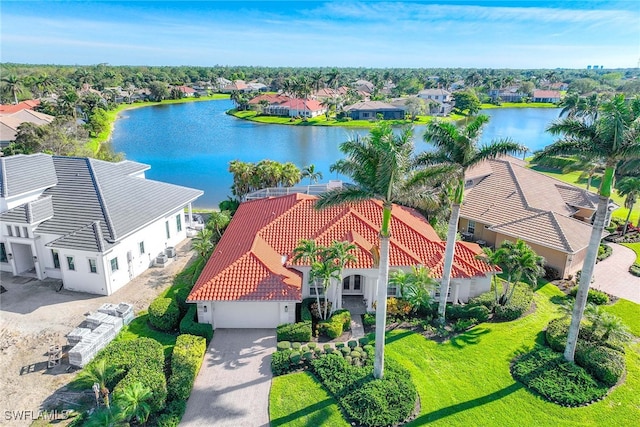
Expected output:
(33, 316)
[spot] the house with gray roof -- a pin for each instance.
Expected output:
(93, 224)
(369, 110)
(505, 200)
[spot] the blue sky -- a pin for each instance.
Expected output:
(474, 34)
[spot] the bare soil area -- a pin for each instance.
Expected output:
(33, 316)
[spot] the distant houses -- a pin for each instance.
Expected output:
(370, 110)
(12, 116)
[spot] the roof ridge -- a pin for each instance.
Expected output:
(516, 181)
(103, 205)
(561, 230)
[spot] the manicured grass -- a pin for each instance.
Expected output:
(628, 312)
(298, 399)
(322, 120)
(519, 105)
(140, 327)
(636, 248)
(466, 381)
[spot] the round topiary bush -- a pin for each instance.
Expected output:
(164, 314)
(635, 270)
(283, 345)
(594, 296)
(604, 363)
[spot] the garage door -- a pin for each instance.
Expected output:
(246, 314)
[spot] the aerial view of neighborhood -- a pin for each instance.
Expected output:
(320, 213)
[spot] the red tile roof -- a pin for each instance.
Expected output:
(186, 89)
(29, 104)
(253, 259)
(303, 104)
(270, 98)
(540, 93)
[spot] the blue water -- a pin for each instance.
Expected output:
(192, 144)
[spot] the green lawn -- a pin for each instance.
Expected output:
(298, 399)
(574, 179)
(466, 381)
(322, 120)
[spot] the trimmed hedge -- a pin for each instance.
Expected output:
(172, 414)
(635, 269)
(605, 364)
(185, 363)
(478, 312)
(305, 310)
(556, 333)
(189, 325)
(594, 296)
(300, 331)
(369, 319)
(140, 360)
(333, 327)
(520, 303)
(557, 380)
(343, 316)
(487, 299)
(164, 314)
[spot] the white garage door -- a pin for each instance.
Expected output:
(246, 314)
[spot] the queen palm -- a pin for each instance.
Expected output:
(312, 173)
(613, 136)
(377, 163)
(457, 148)
(629, 187)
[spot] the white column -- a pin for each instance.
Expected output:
(190, 216)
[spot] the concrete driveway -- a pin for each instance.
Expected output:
(232, 388)
(612, 275)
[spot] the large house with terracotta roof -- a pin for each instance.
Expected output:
(10, 122)
(93, 224)
(505, 200)
(250, 281)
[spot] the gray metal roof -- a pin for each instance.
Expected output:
(21, 174)
(91, 190)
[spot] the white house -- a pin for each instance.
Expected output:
(96, 225)
(440, 95)
(250, 281)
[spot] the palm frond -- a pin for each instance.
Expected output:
(347, 194)
(495, 149)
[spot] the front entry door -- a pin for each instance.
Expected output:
(353, 285)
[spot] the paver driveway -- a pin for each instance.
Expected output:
(232, 388)
(612, 275)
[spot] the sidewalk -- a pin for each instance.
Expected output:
(612, 275)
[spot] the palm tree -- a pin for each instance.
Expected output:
(457, 148)
(416, 286)
(290, 175)
(105, 417)
(133, 401)
(311, 173)
(629, 187)
(342, 254)
(218, 221)
(307, 251)
(518, 261)
(98, 373)
(202, 243)
(376, 163)
(493, 258)
(14, 85)
(324, 270)
(614, 136)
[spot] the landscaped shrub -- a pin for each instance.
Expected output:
(181, 298)
(557, 380)
(140, 360)
(520, 303)
(336, 324)
(605, 364)
(369, 319)
(551, 273)
(171, 415)
(283, 345)
(635, 269)
(556, 333)
(343, 316)
(604, 252)
(300, 331)
(185, 363)
(363, 341)
(164, 314)
(487, 299)
(594, 296)
(188, 325)
(397, 307)
(305, 310)
(314, 308)
(478, 312)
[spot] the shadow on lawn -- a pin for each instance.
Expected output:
(469, 337)
(459, 407)
(317, 414)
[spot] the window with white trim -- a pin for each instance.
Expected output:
(179, 222)
(71, 263)
(114, 264)
(471, 227)
(93, 266)
(141, 246)
(56, 259)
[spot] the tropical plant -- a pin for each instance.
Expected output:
(376, 163)
(312, 173)
(456, 151)
(341, 253)
(202, 243)
(415, 287)
(98, 373)
(218, 221)
(307, 251)
(605, 326)
(614, 136)
(518, 261)
(105, 417)
(630, 188)
(323, 271)
(133, 402)
(493, 258)
(14, 85)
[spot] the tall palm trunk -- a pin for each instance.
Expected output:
(626, 222)
(588, 266)
(448, 260)
(381, 307)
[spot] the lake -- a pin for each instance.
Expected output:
(191, 144)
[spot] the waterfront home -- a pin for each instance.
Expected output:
(508, 94)
(93, 224)
(440, 95)
(251, 281)
(236, 86)
(9, 123)
(369, 110)
(505, 200)
(295, 107)
(540, 95)
(186, 91)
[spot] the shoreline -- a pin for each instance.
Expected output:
(97, 142)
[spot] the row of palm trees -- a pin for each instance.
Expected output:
(383, 166)
(248, 177)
